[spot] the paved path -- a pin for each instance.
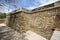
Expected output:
(56, 35)
(7, 33)
(34, 36)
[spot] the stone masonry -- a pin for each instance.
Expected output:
(43, 21)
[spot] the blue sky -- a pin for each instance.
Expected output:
(28, 4)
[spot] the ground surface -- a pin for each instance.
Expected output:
(7, 33)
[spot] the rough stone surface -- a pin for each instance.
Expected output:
(43, 22)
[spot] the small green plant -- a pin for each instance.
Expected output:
(2, 15)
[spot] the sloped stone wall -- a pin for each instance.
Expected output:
(42, 22)
(57, 19)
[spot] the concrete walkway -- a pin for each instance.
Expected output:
(34, 36)
(56, 35)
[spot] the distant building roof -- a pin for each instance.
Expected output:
(47, 6)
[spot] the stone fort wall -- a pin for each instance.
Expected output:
(43, 22)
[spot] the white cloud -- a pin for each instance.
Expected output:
(30, 8)
(8, 10)
(24, 1)
(5, 9)
(49, 2)
(44, 2)
(41, 1)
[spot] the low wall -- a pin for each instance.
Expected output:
(43, 22)
(2, 21)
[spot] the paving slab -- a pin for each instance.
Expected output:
(56, 35)
(30, 35)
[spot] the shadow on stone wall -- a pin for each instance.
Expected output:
(57, 20)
